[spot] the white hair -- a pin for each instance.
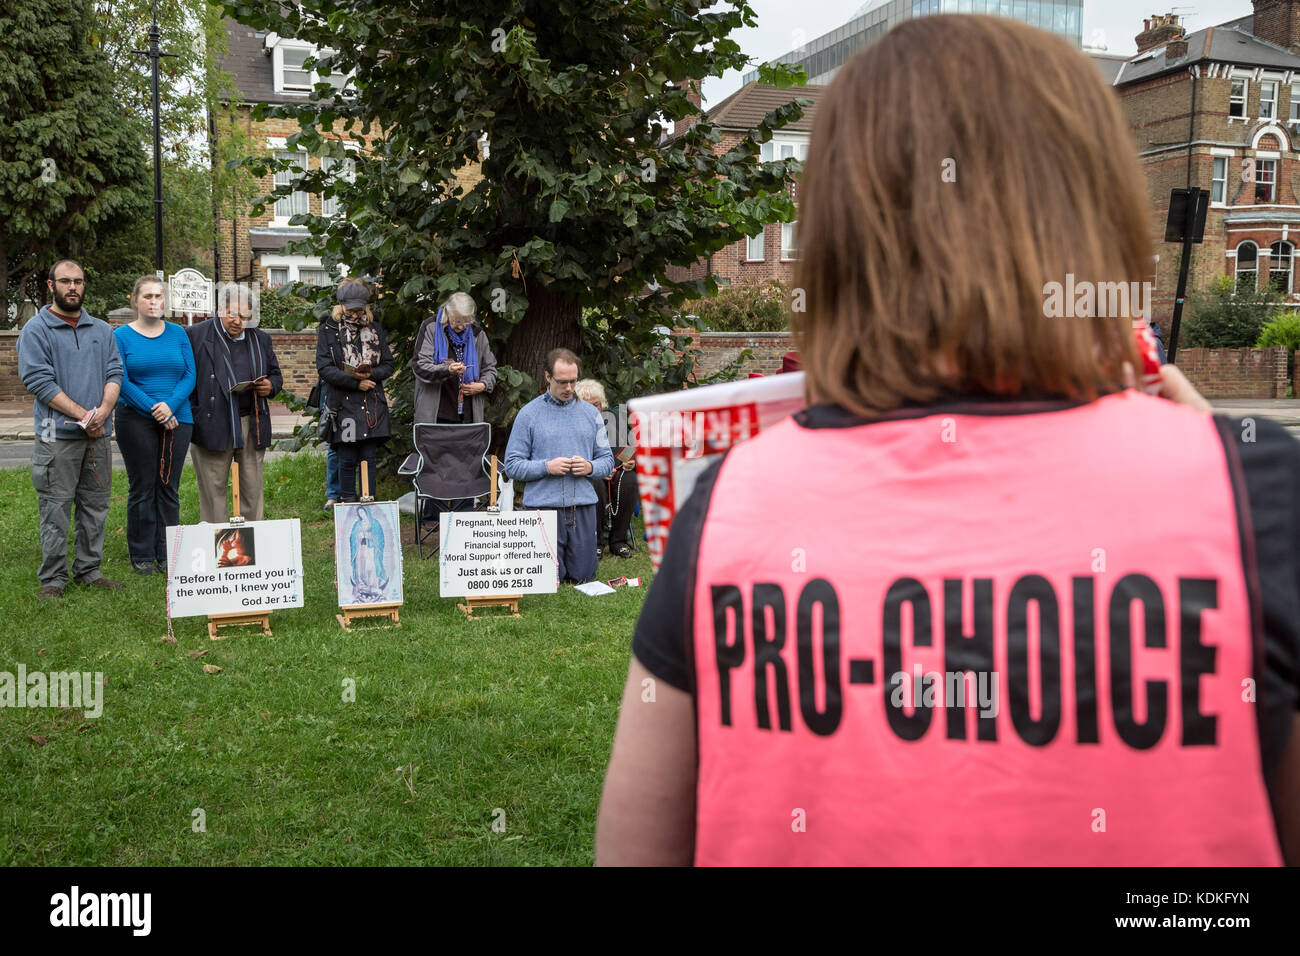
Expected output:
(234, 291)
(462, 304)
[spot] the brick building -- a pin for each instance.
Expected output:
(268, 69)
(1218, 109)
(770, 254)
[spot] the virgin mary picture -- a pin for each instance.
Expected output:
(367, 554)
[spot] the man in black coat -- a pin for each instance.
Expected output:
(237, 373)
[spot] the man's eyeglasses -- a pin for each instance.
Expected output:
(565, 381)
(69, 282)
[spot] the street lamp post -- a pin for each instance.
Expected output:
(155, 54)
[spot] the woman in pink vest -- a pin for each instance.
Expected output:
(970, 635)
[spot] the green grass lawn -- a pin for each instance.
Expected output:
(453, 719)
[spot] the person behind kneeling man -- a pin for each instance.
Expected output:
(231, 425)
(556, 443)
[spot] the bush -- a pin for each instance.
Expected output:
(1223, 317)
(1283, 329)
(281, 309)
(107, 291)
(744, 308)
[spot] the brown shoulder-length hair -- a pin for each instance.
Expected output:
(957, 167)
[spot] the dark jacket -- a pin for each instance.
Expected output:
(430, 375)
(1160, 344)
(215, 408)
(344, 401)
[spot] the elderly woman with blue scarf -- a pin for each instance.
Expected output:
(454, 366)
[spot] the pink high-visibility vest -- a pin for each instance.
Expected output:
(1092, 644)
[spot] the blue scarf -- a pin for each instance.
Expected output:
(464, 345)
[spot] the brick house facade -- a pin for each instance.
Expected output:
(1219, 109)
(251, 248)
(772, 254)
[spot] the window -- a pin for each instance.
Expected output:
(1267, 100)
(296, 204)
(276, 277)
(292, 75)
(754, 247)
(789, 250)
(1237, 99)
(314, 276)
(1219, 179)
(1295, 102)
(1279, 267)
(1265, 180)
(330, 207)
(1247, 274)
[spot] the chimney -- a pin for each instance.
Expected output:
(1278, 22)
(682, 125)
(1161, 28)
(1176, 49)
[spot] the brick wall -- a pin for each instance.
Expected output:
(1236, 373)
(719, 348)
(296, 352)
(11, 387)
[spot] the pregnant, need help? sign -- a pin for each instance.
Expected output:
(486, 554)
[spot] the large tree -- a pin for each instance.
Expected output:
(71, 162)
(584, 199)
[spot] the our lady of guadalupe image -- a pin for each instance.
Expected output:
(368, 554)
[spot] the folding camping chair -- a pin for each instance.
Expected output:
(449, 462)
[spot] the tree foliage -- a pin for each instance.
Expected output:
(745, 307)
(71, 167)
(583, 199)
(192, 31)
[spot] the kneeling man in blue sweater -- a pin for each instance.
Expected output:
(557, 442)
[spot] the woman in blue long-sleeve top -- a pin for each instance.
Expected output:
(153, 422)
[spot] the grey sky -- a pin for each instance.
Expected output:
(1109, 23)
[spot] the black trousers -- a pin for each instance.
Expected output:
(351, 454)
(154, 459)
(614, 530)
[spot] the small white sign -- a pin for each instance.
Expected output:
(190, 291)
(234, 569)
(487, 554)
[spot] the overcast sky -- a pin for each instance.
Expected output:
(1109, 23)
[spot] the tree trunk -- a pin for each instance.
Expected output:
(553, 321)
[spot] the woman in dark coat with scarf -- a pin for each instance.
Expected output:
(353, 358)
